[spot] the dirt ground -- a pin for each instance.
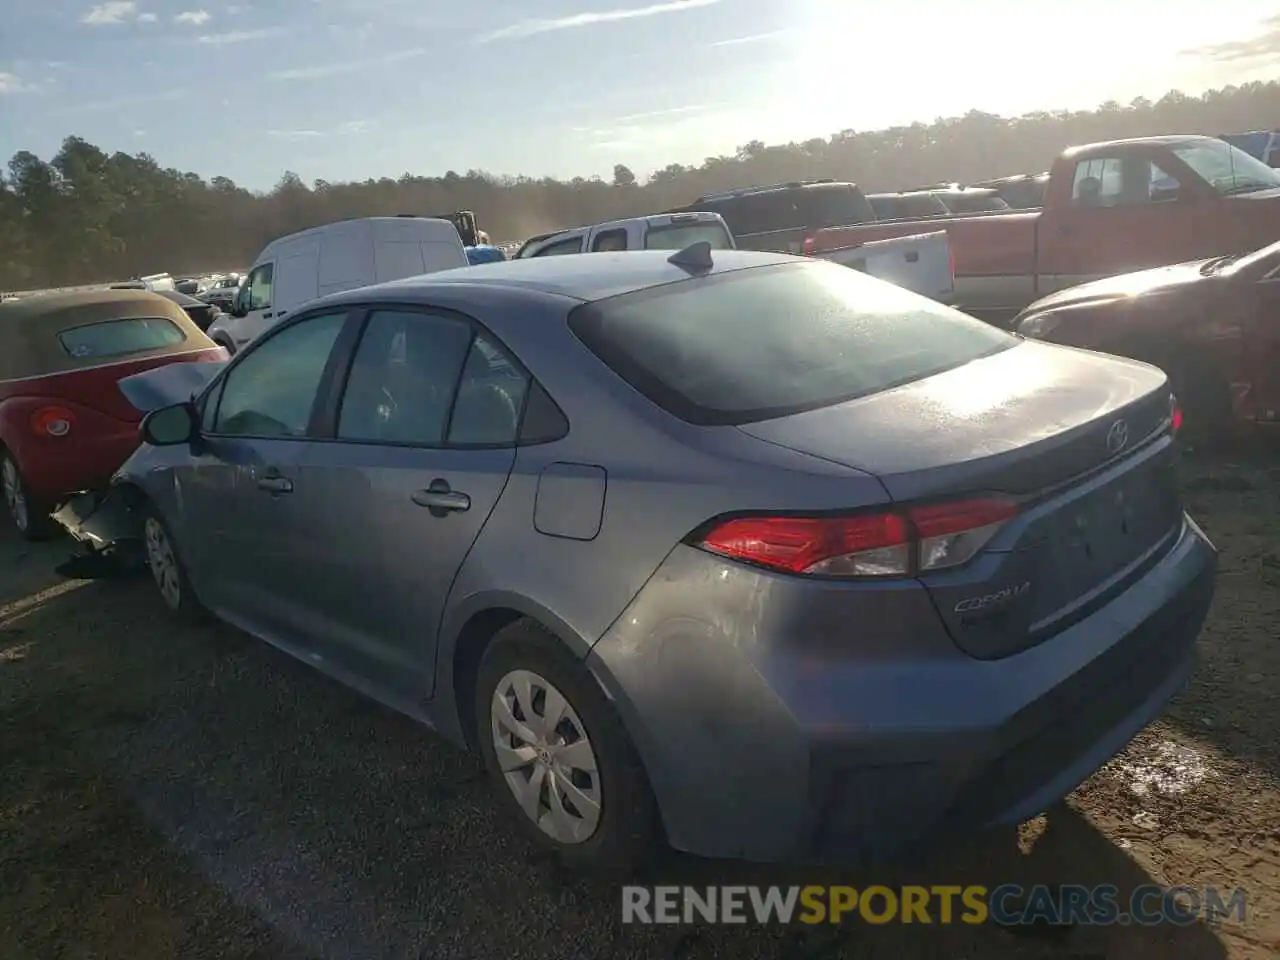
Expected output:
(183, 793)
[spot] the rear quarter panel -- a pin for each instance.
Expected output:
(663, 479)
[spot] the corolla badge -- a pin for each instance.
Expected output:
(1117, 437)
(993, 599)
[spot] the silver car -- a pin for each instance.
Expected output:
(750, 554)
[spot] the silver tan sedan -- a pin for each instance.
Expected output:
(750, 554)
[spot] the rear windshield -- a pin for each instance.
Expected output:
(118, 338)
(677, 236)
(766, 342)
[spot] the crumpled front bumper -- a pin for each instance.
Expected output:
(107, 525)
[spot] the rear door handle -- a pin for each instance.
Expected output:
(275, 485)
(439, 499)
(266, 316)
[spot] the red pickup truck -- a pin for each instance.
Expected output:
(1109, 208)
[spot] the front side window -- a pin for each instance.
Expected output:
(403, 378)
(561, 248)
(766, 342)
(120, 338)
(259, 287)
(272, 390)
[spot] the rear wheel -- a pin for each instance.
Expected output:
(31, 518)
(562, 762)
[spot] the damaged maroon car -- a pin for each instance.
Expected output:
(1212, 325)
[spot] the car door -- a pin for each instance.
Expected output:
(296, 281)
(255, 296)
(240, 529)
(422, 442)
(1126, 214)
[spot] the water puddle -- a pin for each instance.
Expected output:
(1171, 769)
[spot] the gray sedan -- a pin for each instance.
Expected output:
(759, 557)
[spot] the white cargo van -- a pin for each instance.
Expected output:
(337, 256)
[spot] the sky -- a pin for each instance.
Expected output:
(350, 89)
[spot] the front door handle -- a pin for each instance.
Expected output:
(275, 485)
(440, 499)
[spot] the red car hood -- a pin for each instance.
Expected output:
(1123, 286)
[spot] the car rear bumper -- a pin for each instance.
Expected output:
(773, 729)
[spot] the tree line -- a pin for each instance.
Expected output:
(86, 216)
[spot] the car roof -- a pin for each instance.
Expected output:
(583, 277)
(29, 327)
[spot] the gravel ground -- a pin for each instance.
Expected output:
(170, 792)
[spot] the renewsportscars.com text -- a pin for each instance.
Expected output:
(1007, 905)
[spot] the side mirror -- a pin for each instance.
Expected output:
(240, 303)
(171, 426)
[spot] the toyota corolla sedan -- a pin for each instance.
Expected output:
(750, 554)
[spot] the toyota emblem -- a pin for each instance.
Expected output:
(1117, 437)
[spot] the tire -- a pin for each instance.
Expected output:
(226, 345)
(168, 571)
(29, 517)
(625, 831)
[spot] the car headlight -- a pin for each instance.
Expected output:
(1039, 326)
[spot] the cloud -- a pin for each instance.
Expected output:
(341, 130)
(195, 18)
(113, 11)
(632, 118)
(529, 28)
(1265, 46)
(239, 36)
(754, 38)
(347, 66)
(124, 103)
(147, 18)
(11, 83)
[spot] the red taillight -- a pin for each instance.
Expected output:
(1175, 415)
(893, 543)
(52, 421)
(807, 246)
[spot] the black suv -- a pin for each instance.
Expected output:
(781, 216)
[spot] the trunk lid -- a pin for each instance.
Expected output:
(1079, 439)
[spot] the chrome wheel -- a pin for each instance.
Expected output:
(546, 757)
(15, 497)
(163, 562)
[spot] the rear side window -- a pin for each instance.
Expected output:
(677, 236)
(119, 338)
(759, 212)
(760, 343)
(834, 205)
